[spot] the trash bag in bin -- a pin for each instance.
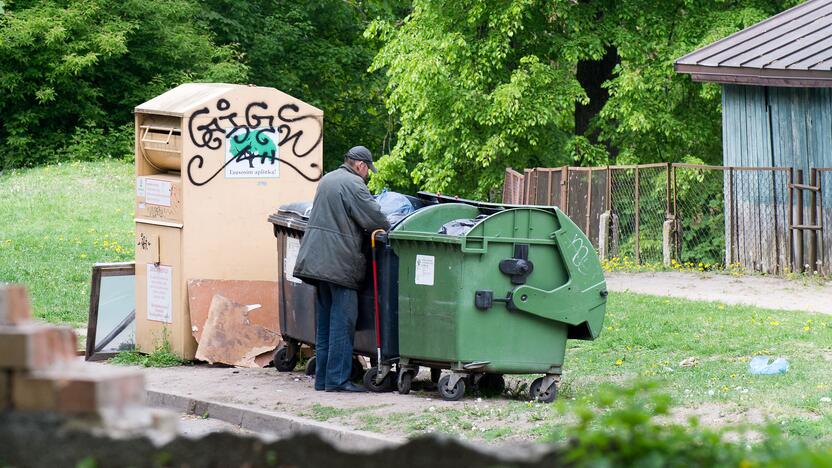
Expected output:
(460, 227)
(301, 209)
(394, 203)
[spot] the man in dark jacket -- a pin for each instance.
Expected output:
(331, 257)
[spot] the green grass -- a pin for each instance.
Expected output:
(162, 356)
(57, 222)
(321, 412)
(647, 337)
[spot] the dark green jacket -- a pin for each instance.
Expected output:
(331, 249)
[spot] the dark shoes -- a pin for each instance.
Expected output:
(349, 387)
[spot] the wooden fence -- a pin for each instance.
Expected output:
(763, 219)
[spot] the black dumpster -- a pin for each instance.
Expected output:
(296, 298)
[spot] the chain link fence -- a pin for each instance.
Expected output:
(693, 216)
(699, 208)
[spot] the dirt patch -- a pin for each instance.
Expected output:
(759, 291)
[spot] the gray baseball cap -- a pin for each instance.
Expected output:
(361, 153)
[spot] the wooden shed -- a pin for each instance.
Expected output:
(776, 79)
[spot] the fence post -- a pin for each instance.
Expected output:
(667, 233)
(588, 202)
(791, 252)
(799, 239)
(813, 221)
(732, 244)
(638, 215)
(603, 234)
(564, 188)
(667, 191)
(668, 228)
(823, 266)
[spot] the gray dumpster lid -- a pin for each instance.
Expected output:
(181, 99)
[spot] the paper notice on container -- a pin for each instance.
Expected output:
(424, 269)
(290, 258)
(157, 192)
(159, 293)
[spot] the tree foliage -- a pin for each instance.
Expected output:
(483, 84)
(314, 50)
(71, 72)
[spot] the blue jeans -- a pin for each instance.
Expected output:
(336, 310)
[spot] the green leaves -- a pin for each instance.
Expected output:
(474, 91)
(480, 85)
(87, 64)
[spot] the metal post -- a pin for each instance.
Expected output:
(638, 209)
(731, 217)
(822, 247)
(588, 201)
(667, 192)
(813, 221)
(790, 250)
(677, 238)
(799, 243)
(564, 189)
(609, 189)
(777, 233)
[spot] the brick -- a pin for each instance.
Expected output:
(14, 304)
(63, 342)
(79, 388)
(5, 389)
(33, 346)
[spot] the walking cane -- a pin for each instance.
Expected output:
(375, 299)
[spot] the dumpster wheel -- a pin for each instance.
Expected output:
(405, 381)
(310, 366)
(386, 385)
(451, 394)
(282, 361)
(546, 396)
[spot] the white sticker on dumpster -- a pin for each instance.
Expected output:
(424, 269)
(157, 192)
(159, 293)
(290, 258)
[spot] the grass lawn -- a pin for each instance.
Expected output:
(59, 220)
(648, 337)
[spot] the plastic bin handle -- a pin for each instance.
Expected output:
(478, 250)
(581, 298)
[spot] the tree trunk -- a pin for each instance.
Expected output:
(591, 75)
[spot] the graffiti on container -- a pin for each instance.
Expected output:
(143, 242)
(581, 253)
(255, 136)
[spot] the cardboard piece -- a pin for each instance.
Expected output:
(229, 336)
(202, 291)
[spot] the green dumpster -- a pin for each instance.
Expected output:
(501, 298)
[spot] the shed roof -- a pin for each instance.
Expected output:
(793, 48)
(183, 98)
